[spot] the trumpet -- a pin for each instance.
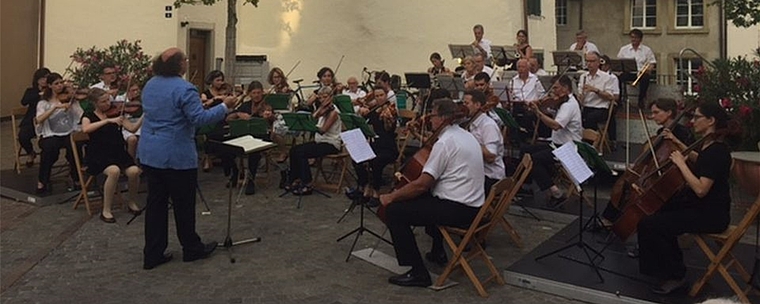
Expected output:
(640, 74)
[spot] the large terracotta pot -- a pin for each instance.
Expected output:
(747, 171)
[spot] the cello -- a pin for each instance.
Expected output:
(652, 190)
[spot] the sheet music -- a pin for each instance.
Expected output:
(573, 162)
(250, 143)
(357, 145)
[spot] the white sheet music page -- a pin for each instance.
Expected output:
(357, 145)
(573, 162)
(250, 143)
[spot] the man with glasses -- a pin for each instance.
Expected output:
(354, 92)
(448, 192)
(107, 80)
(596, 92)
(644, 58)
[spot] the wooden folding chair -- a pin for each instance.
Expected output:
(81, 139)
(471, 236)
(19, 111)
(516, 181)
(339, 161)
(402, 136)
(727, 241)
(604, 141)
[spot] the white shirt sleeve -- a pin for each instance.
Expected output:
(564, 114)
(436, 163)
(492, 138)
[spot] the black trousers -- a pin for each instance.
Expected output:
(593, 117)
(427, 211)
(544, 167)
(659, 254)
(51, 149)
(376, 166)
(489, 182)
(180, 187)
(299, 159)
(25, 136)
(228, 161)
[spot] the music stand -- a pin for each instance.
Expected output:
(452, 84)
(418, 80)
(278, 102)
(598, 165)
(623, 65)
(238, 147)
(568, 58)
(579, 172)
(504, 54)
(461, 50)
(361, 153)
(343, 102)
(306, 123)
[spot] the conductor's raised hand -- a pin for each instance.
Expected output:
(230, 101)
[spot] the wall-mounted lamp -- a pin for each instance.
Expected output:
(184, 23)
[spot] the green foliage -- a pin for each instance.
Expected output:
(180, 3)
(743, 13)
(126, 57)
(735, 84)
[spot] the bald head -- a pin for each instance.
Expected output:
(168, 53)
(523, 67)
(170, 63)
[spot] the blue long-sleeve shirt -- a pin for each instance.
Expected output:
(172, 110)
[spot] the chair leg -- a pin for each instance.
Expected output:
(512, 232)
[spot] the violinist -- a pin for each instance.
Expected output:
(326, 79)
(108, 81)
(480, 64)
(663, 112)
(326, 141)
(356, 93)
(596, 91)
(278, 81)
(702, 206)
(133, 111)
(438, 67)
(383, 80)
(565, 126)
(106, 152)
(57, 117)
(470, 69)
(254, 107)
(483, 84)
(488, 135)
(31, 97)
(212, 96)
(448, 192)
(381, 116)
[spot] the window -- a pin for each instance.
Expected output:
(534, 7)
(689, 14)
(560, 12)
(690, 67)
(643, 14)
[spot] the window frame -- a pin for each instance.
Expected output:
(689, 15)
(644, 16)
(560, 12)
(690, 62)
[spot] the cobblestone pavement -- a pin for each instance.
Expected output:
(54, 254)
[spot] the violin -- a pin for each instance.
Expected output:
(120, 108)
(550, 104)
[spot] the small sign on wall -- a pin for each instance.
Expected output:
(168, 11)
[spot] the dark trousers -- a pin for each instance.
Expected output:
(427, 211)
(376, 166)
(180, 187)
(51, 149)
(228, 161)
(659, 254)
(489, 182)
(25, 136)
(299, 159)
(593, 117)
(543, 165)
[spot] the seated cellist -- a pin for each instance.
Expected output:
(702, 206)
(664, 111)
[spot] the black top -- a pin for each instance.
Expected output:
(106, 147)
(681, 132)
(714, 162)
(386, 138)
(30, 99)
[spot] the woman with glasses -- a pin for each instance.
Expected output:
(702, 206)
(57, 116)
(278, 81)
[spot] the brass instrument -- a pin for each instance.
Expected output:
(641, 73)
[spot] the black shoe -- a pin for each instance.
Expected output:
(208, 248)
(353, 194)
(439, 259)
(250, 188)
(164, 259)
(411, 279)
(109, 220)
(669, 286)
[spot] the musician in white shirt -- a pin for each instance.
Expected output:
(481, 44)
(643, 56)
(353, 91)
(523, 89)
(596, 92)
(582, 44)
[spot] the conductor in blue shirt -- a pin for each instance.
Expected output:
(166, 150)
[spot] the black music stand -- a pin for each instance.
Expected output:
(418, 80)
(597, 165)
(461, 50)
(238, 147)
(452, 84)
(579, 173)
(568, 59)
(306, 123)
(504, 54)
(356, 143)
(353, 121)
